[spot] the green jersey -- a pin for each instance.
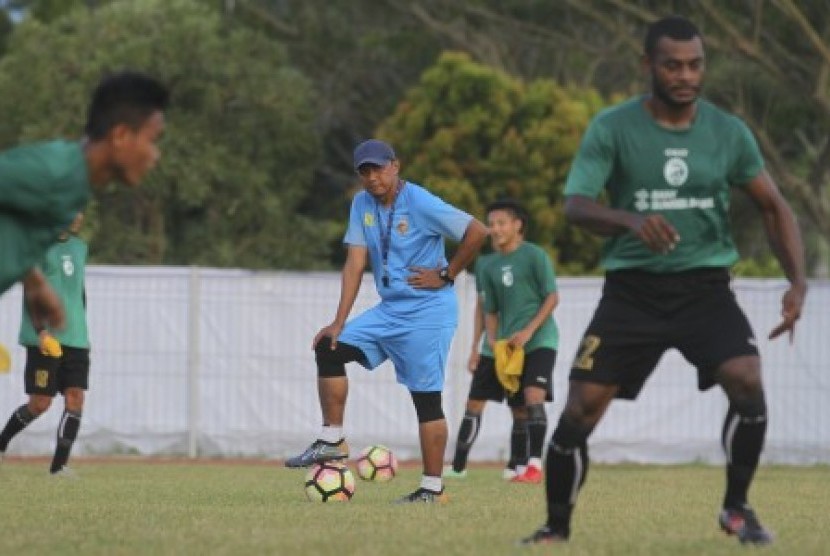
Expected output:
(515, 286)
(683, 174)
(479, 273)
(65, 268)
(42, 187)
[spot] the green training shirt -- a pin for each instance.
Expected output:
(479, 274)
(515, 286)
(65, 268)
(42, 187)
(684, 175)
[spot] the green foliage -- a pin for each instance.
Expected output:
(473, 134)
(240, 148)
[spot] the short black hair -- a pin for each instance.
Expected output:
(513, 207)
(124, 98)
(674, 27)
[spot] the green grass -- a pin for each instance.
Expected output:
(213, 508)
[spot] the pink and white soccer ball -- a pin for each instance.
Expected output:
(329, 481)
(377, 463)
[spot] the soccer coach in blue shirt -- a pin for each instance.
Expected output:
(400, 228)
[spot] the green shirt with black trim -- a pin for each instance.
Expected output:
(683, 174)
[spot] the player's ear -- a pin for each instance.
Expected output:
(119, 135)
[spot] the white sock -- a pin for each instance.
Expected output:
(331, 434)
(535, 462)
(432, 483)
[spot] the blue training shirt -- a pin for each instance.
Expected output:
(421, 222)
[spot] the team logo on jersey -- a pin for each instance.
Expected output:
(676, 171)
(403, 226)
(68, 266)
(507, 275)
(41, 378)
(368, 219)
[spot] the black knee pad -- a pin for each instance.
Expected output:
(569, 435)
(428, 406)
(536, 415)
(332, 362)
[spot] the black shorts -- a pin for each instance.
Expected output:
(643, 314)
(47, 376)
(537, 371)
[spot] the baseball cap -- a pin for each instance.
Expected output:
(373, 151)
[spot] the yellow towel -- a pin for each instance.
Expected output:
(509, 364)
(5, 359)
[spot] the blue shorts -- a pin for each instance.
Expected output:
(419, 354)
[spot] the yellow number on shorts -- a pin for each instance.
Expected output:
(585, 360)
(41, 378)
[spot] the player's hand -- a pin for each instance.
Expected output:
(519, 339)
(45, 307)
(791, 305)
(656, 232)
(49, 345)
(425, 278)
(332, 331)
(472, 362)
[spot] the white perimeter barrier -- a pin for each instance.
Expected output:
(207, 362)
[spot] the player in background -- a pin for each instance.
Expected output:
(57, 360)
(398, 227)
(522, 278)
(668, 161)
(44, 185)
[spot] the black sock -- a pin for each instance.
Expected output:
(537, 427)
(518, 444)
(743, 440)
(566, 469)
(467, 434)
(67, 432)
(19, 420)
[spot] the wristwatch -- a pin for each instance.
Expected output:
(444, 274)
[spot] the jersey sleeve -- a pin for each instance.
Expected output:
(488, 294)
(354, 233)
(748, 162)
(439, 217)
(593, 163)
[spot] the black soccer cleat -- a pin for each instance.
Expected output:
(425, 496)
(318, 452)
(544, 535)
(743, 523)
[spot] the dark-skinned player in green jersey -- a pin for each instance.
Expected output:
(44, 185)
(668, 161)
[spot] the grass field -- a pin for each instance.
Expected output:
(136, 507)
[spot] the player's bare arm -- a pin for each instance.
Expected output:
(478, 328)
(785, 240)
(491, 325)
(351, 277)
(520, 338)
(44, 305)
(653, 230)
(430, 278)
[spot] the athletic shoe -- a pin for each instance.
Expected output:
(508, 474)
(545, 535)
(744, 523)
(450, 473)
(532, 475)
(424, 495)
(64, 473)
(318, 452)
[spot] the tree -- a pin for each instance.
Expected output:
(473, 135)
(240, 149)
